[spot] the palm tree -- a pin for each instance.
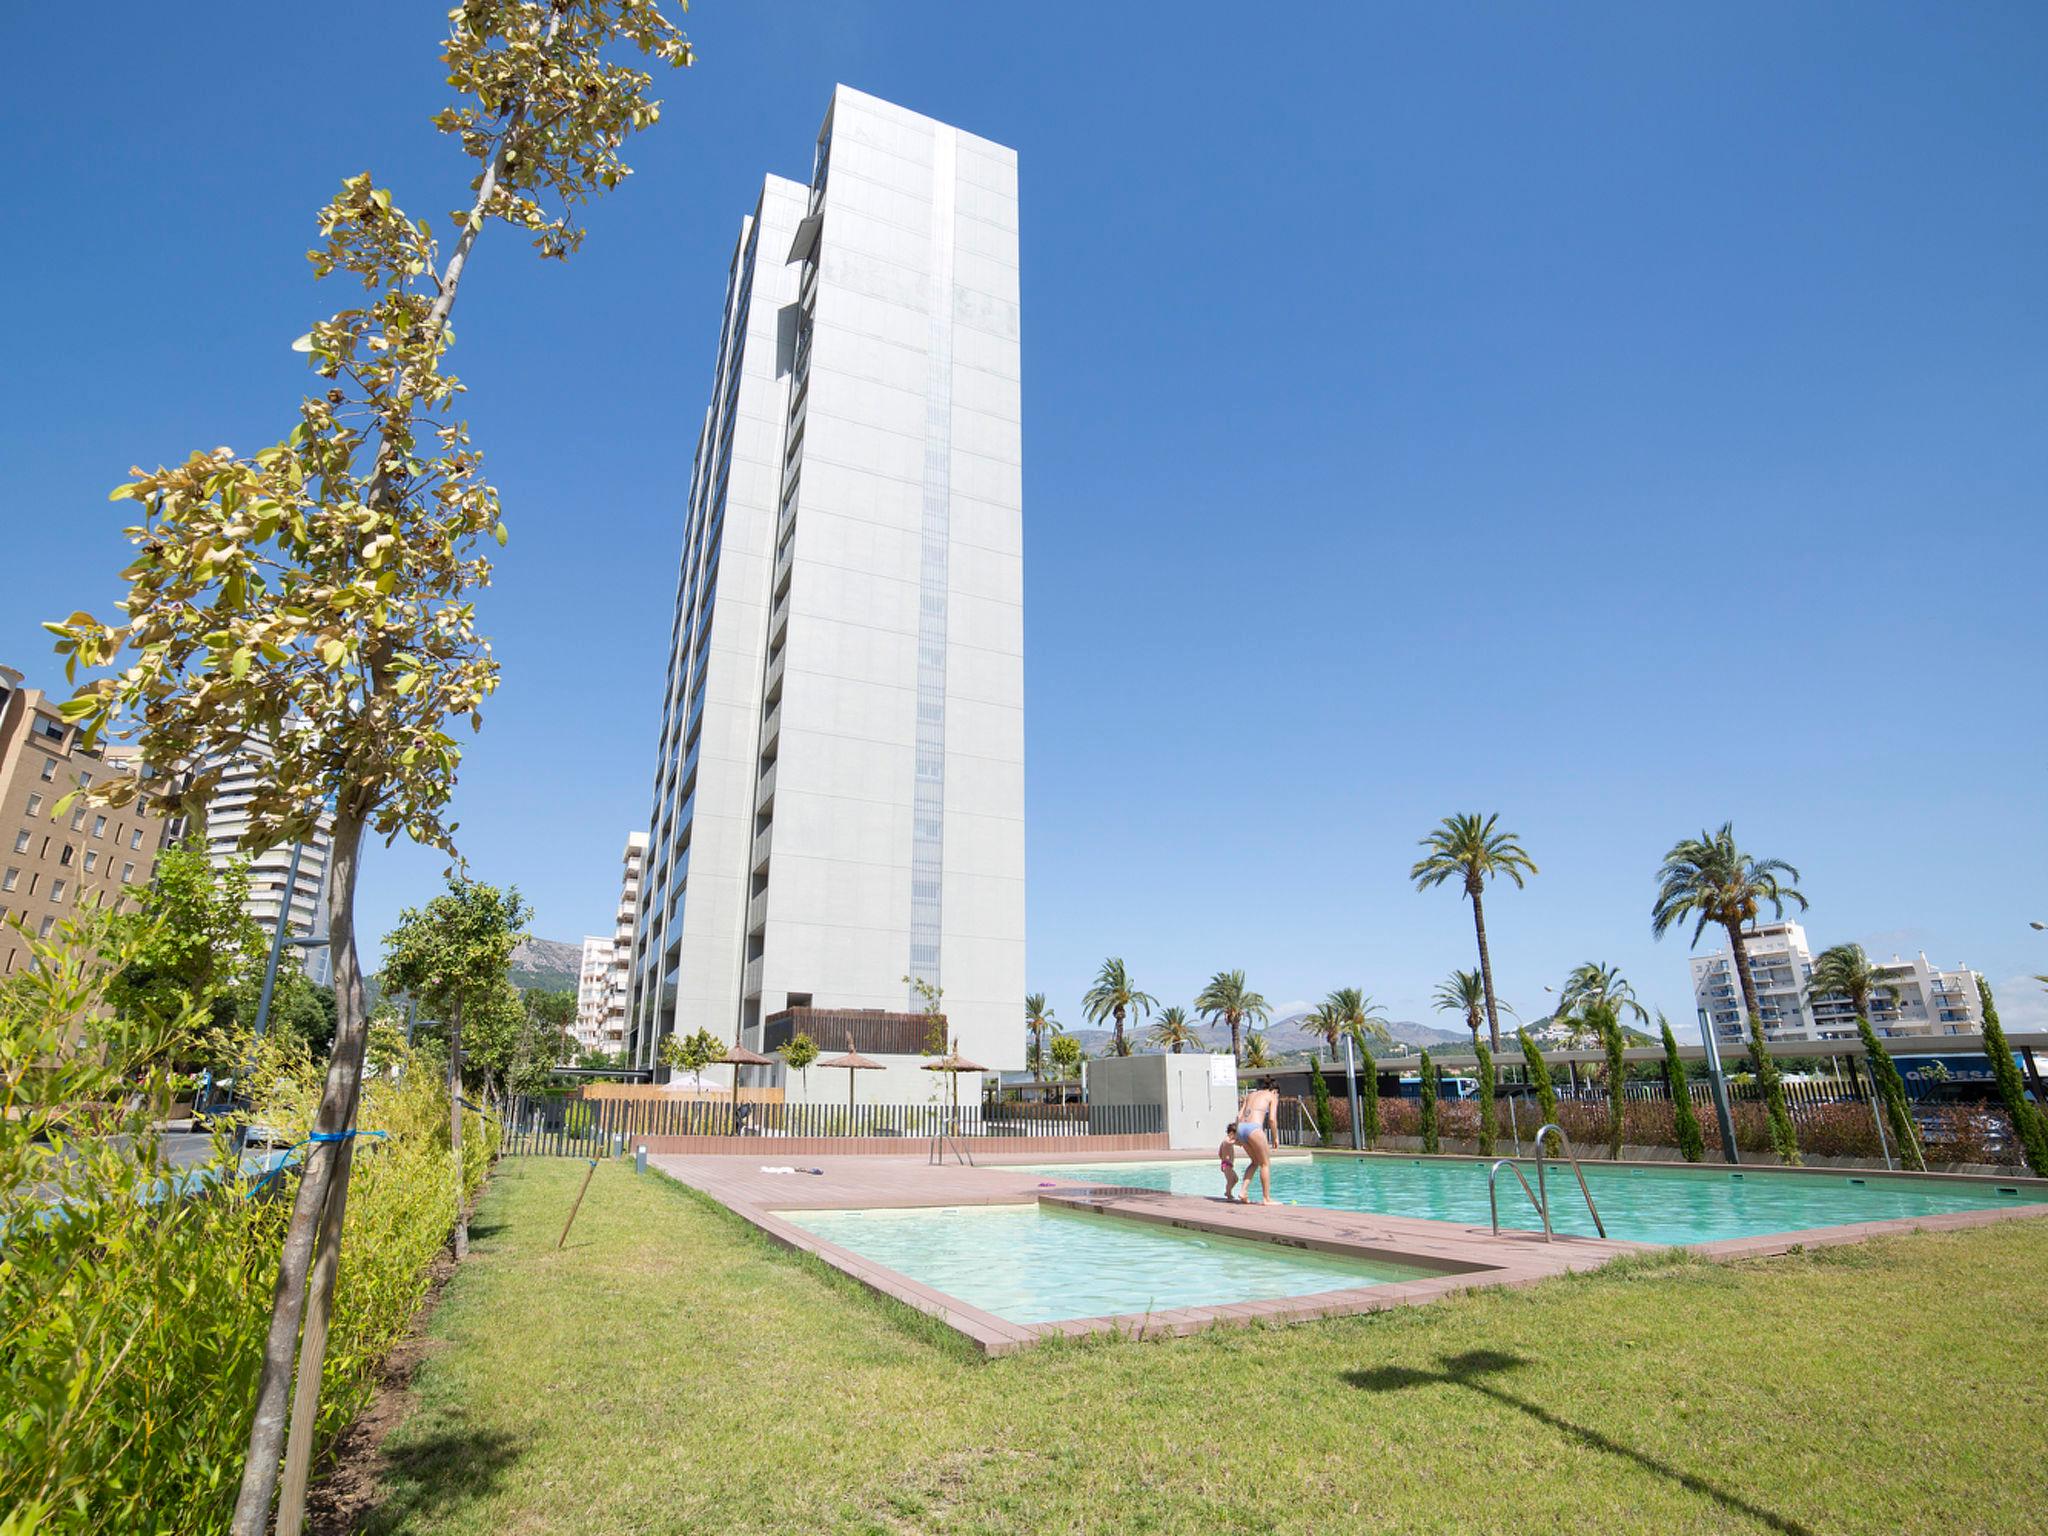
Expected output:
(1227, 998)
(1595, 985)
(1173, 1030)
(1358, 1015)
(1254, 1049)
(1468, 848)
(1710, 879)
(1326, 1021)
(1845, 971)
(1038, 1023)
(1464, 992)
(1113, 996)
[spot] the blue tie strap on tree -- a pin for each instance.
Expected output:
(285, 1161)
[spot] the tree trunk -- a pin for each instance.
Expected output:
(1485, 966)
(1236, 1051)
(336, 1112)
(1118, 1047)
(455, 1126)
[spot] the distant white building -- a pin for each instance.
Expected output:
(1930, 1001)
(633, 864)
(305, 907)
(594, 982)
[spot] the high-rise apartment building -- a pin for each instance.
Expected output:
(271, 871)
(632, 867)
(1929, 1000)
(839, 786)
(595, 981)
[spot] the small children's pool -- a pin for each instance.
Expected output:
(1643, 1205)
(1031, 1264)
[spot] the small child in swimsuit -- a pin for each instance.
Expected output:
(1226, 1154)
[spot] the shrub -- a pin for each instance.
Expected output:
(1685, 1124)
(1319, 1093)
(1488, 1125)
(1784, 1139)
(1539, 1078)
(2030, 1126)
(136, 1297)
(1428, 1100)
(1368, 1099)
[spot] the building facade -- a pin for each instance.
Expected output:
(273, 886)
(626, 921)
(53, 867)
(1929, 1000)
(839, 785)
(595, 980)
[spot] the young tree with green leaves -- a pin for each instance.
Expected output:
(1469, 849)
(690, 1053)
(1038, 1023)
(1065, 1052)
(1113, 995)
(194, 941)
(1464, 993)
(1709, 879)
(1691, 1144)
(2029, 1123)
(1319, 1099)
(1845, 971)
(1173, 1031)
(1489, 1121)
(798, 1055)
(1539, 1079)
(452, 954)
(1228, 998)
(316, 595)
(1427, 1090)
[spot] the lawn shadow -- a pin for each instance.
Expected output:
(479, 1229)
(1472, 1371)
(424, 1482)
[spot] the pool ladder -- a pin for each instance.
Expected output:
(1539, 1197)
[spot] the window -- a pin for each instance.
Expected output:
(49, 769)
(21, 842)
(64, 859)
(43, 932)
(92, 860)
(57, 889)
(35, 803)
(34, 880)
(78, 818)
(127, 874)
(99, 826)
(49, 730)
(85, 781)
(9, 880)
(135, 838)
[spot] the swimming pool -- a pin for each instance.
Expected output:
(1644, 1205)
(1032, 1264)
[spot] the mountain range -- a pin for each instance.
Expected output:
(1285, 1037)
(546, 965)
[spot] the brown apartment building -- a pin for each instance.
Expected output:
(51, 867)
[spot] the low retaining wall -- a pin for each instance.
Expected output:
(887, 1146)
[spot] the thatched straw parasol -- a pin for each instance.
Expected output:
(737, 1056)
(853, 1062)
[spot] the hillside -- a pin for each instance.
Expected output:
(1285, 1038)
(546, 965)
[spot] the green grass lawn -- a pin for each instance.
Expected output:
(673, 1371)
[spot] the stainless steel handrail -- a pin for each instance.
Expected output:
(1566, 1142)
(1493, 1199)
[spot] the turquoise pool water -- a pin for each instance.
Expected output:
(1638, 1205)
(1029, 1264)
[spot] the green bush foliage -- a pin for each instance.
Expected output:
(1489, 1125)
(134, 1297)
(1891, 1093)
(1784, 1139)
(1685, 1123)
(1319, 1093)
(2028, 1121)
(1368, 1099)
(1539, 1078)
(1427, 1099)
(1608, 1026)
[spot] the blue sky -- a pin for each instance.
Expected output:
(1624, 417)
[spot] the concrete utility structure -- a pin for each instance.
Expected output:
(1198, 1094)
(1930, 1001)
(52, 867)
(839, 784)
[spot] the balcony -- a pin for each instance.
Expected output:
(757, 913)
(772, 689)
(771, 729)
(750, 985)
(765, 795)
(778, 620)
(762, 840)
(783, 562)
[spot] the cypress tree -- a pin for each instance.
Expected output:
(1690, 1142)
(1368, 1100)
(1784, 1139)
(1539, 1079)
(1488, 1125)
(1890, 1090)
(1429, 1136)
(2028, 1123)
(1319, 1092)
(1614, 1042)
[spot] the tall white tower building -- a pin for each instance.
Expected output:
(839, 786)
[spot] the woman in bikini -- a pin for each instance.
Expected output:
(1258, 1112)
